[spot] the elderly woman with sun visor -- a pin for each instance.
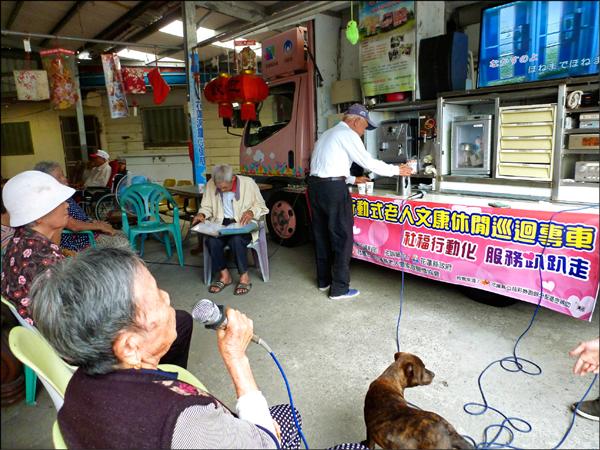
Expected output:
(36, 203)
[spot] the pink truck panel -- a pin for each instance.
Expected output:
(284, 54)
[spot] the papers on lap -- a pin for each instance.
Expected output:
(215, 229)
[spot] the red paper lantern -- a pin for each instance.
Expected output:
(248, 89)
(216, 91)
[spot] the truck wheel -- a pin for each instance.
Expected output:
(287, 220)
(486, 297)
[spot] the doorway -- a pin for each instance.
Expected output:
(72, 145)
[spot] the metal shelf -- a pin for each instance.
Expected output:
(418, 105)
(582, 131)
(574, 152)
(578, 183)
(582, 109)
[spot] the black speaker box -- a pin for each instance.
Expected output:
(442, 64)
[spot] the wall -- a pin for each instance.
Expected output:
(47, 141)
(45, 134)
(430, 22)
(348, 61)
(326, 56)
(220, 147)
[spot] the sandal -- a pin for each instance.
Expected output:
(242, 288)
(217, 286)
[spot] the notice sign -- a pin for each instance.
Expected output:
(387, 47)
(518, 253)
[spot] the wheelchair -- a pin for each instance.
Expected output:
(104, 204)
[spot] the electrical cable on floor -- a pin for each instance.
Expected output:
(514, 359)
(519, 366)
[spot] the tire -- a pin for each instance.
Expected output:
(105, 207)
(287, 220)
(486, 297)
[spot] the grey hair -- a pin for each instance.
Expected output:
(222, 172)
(352, 116)
(47, 167)
(81, 304)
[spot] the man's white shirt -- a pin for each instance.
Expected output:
(337, 148)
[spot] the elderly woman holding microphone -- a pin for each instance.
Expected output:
(120, 326)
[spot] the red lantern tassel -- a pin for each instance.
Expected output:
(225, 110)
(248, 111)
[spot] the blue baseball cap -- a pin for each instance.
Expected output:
(359, 110)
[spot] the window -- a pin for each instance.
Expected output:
(164, 127)
(274, 114)
(16, 139)
(70, 135)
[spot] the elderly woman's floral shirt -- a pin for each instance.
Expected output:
(28, 254)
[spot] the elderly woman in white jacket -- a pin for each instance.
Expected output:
(230, 199)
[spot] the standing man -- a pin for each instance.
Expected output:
(330, 203)
(99, 171)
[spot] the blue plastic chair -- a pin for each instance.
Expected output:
(144, 200)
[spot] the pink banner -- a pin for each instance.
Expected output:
(495, 249)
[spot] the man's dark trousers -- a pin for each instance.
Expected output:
(238, 243)
(332, 223)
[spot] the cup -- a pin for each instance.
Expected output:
(413, 165)
(362, 188)
(370, 185)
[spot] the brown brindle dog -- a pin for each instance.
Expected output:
(392, 423)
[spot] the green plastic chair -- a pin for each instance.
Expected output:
(144, 200)
(183, 375)
(90, 235)
(32, 349)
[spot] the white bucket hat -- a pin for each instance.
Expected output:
(101, 154)
(31, 195)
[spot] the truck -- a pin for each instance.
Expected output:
(276, 148)
(467, 229)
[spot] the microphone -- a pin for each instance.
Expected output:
(417, 195)
(213, 317)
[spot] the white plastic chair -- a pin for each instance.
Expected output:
(260, 253)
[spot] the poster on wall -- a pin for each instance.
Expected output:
(60, 65)
(32, 85)
(534, 256)
(117, 100)
(387, 47)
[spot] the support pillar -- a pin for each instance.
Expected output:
(194, 91)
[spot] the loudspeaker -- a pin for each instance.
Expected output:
(442, 64)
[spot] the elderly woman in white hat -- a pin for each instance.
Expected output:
(36, 204)
(99, 172)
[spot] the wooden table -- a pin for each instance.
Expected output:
(193, 191)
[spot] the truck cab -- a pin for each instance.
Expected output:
(276, 148)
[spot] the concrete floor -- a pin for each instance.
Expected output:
(332, 350)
